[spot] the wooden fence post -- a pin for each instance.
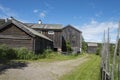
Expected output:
(115, 54)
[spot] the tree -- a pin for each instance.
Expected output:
(99, 48)
(118, 50)
(84, 45)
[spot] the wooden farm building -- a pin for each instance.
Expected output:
(92, 47)
(38, 37)
(73, 36)
(16, 34)
(52, 31)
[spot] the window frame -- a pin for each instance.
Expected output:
(51, 32)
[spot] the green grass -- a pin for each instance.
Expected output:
(60, 57)
(55, 57)
(90, 70)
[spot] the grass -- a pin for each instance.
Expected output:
(55, 57)
(90, 70)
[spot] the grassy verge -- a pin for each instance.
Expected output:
(55, 57)
(89, 70)
(60, 57)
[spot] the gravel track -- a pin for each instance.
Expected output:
(43, 70)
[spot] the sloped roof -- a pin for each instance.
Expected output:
(92, 44)
(72, 27)
(24, 28)
(45, 26)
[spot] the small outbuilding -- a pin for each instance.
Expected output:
(16, 34)
(92, 47)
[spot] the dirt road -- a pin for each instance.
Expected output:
(42, 70)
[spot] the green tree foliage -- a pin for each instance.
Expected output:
(68, 46)
(112, 47)
(84, 45)
(99, 48)
(118, 50)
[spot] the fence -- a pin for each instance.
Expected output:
(108, 64)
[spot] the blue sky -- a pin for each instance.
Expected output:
(92, 17)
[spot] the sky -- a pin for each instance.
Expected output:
(91, 17)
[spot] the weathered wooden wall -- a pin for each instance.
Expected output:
(15, 37)
(73, 36)
(56, 37)
(42, 44)
(91, 49)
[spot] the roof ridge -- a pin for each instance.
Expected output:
(25, 28)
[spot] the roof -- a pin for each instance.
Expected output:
(45, 26)
(72, 27)
(2, 21)
(25, 28)
(92, 44)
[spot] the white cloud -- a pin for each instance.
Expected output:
(35, 11)
(93, 31)
(42, 15)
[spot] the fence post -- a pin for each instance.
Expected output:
(115, 52)
(119, 54)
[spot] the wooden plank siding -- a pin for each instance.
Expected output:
(73, 36)
(56, 37)
(15, 37)
(40, 45)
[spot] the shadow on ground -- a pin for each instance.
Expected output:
(8, 64)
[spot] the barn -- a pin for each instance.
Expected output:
(92, 47)
(16, 34)
(52, 31)
(72, 35)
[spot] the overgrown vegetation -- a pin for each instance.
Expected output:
(7, 53)
(90, 70)
(84, 45)
(68, 46)
(99, 48)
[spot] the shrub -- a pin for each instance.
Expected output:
(68, 46)
(48, 53)
(24, 53)
(21, 53)
(7, 52)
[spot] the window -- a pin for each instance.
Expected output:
(51, 32)
(40, 31)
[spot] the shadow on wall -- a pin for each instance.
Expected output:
(64, 48)
(5, 64)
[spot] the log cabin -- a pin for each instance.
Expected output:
(72, 35)
(16, 34)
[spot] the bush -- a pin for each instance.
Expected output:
(48, 53)
(68, 46)
(24, 53)
(21, 53)
(7, 52)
